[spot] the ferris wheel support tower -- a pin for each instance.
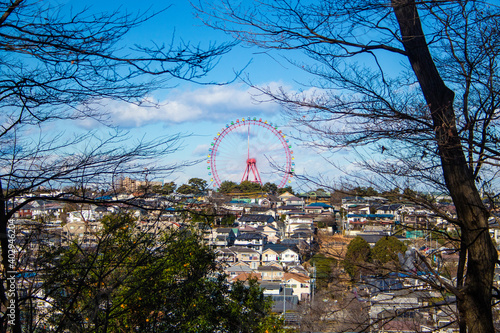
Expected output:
(252, 166)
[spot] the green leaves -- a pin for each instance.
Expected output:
(131, 281)
(357, 255)
(361, 259)
(387, 249)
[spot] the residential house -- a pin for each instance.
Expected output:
(282, 197)
(372, 238)
(280, 253)
(246, 255)
(294, 201)
(318, 208)
(223, 237)
(247, 228)
(290, 257)
(299, 269)
(237, 269)
(85, 214)
(255, 219)
(235, 207)
(357, 208)
(316, 197)
(271, 252)
(271, 273)
(272, 233)
(422, 219)
(286, 255)
(262, 210)
(288, 210)
(301, 285)
(43, 208)
(84, 232)
(302, 221)
(402, 305)
(303, 234)
(246, 276)
(265, 203)
(24, 212)
(270, 288)
(252, 240)
(225, 256)
(357, 222)
(296, 244)
(393, 209)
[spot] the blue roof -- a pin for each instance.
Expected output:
(319, 204)
(106, 197)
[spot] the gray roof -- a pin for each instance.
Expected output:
(278, 248)
(270, 285)
(256, 218)
(242, 249)
(225, 251)
(261, 228)
(251, 235)
(239, 269)
(372, 238)
(270, 269)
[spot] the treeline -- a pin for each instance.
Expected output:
(198, 185)
(250, 187)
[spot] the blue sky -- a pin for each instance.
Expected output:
(204, 110)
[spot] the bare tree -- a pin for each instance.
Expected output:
(58, 67)
(433, 116)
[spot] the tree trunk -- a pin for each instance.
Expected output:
(474, 299)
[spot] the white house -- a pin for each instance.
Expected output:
(83, 215)
(237, 269)
(249, 256)
(301, 285)
(299, 222)
(289, 257)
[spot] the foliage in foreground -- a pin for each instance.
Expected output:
(134, 281)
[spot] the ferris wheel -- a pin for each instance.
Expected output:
(251, 149)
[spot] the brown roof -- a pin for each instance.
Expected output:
(247, 276)
(298, 277)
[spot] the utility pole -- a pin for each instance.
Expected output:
(284, 301)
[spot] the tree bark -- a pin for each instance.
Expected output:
(474, 300)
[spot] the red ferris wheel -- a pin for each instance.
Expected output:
(251, 149)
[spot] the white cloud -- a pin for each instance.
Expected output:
(214, 103)
(201, 150)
